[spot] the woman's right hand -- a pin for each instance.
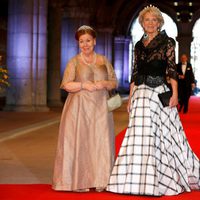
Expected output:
(130, 97)
(90, 86)
(128, 105)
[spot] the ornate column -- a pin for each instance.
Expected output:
(184, 44)
(54, 51)
(127, 62)
(185, 38)
(26, 55)
(121, 61)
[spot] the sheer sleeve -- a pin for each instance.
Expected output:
(69, 73)
(111, 72)
(134, 70)
(171, 65)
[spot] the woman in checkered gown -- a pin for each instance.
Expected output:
(155, 157)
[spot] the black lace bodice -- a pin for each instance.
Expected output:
(156, 59)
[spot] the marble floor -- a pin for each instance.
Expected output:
(28, 143)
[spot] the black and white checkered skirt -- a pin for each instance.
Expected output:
(155, 157)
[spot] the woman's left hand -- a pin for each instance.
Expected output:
(173, 101)
(100, 85)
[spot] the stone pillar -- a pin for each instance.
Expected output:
(54, 51)
(185, 38)
(127, 63)
(69, 46)
(184, 44)
(121, 61)
(26, 55)
(105, 43)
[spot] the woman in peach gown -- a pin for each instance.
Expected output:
(85, 150)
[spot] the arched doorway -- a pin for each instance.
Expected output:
(194, 52)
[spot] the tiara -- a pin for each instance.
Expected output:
(85, 27)
(151, 6)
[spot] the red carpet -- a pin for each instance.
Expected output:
(191, 123)
(44, 192)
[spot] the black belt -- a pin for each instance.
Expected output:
(151, 81)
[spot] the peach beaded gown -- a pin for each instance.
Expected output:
(85, 150)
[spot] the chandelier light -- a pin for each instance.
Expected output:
(184, 11)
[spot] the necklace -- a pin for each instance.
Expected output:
(89, 64)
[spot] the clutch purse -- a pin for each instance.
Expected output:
(165, 97)
(114, 102)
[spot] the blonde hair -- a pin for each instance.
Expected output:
(153, 10)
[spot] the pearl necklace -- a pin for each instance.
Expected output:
(89, 64)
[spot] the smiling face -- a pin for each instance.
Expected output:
(150, 23)
(86, 43)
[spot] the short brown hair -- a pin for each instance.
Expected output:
(85, 30)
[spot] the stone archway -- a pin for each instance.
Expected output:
(194, 52)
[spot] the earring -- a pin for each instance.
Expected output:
(145, 36)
